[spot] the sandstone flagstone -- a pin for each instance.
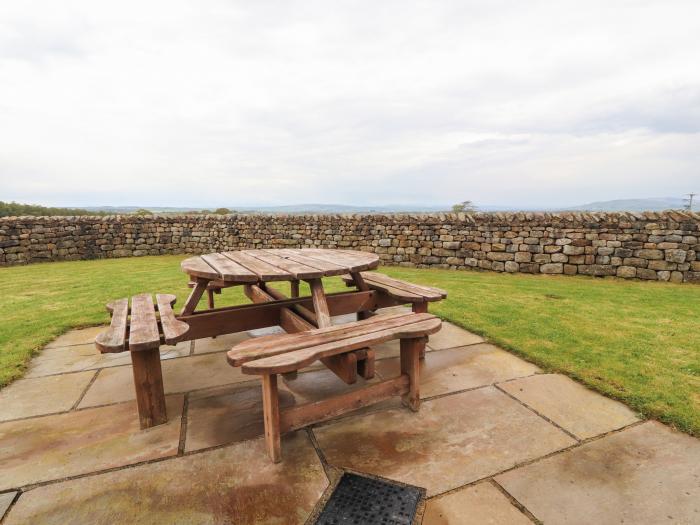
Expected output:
(116, 384)
(481, 503)
(451, 336)
(6, 500)
(451, 441)
(220, 343)
(54, 447)
(646, 474)
(80, 336)
(60, 360)
(234, 413)
(43, 395)
(227, 415)
(570, 405)
(236, 484)
(461, 368)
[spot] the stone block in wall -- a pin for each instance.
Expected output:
(560, 257)
(542, 258)
(635, 261)
(570, 269)
(570, 249)
(552, 268)
(529, 268)
(511, 266)
(500, 256)
(627, 272)
(661, 265)
(675, 255)
(692, 277)
(649, 254)
(598, 270)
(521, 257)
(645, 273)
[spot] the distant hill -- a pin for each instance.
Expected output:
(9, 209)
(291, 208)
(652, 204)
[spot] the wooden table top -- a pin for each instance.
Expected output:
(250, 266)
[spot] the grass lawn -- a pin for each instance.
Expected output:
(635, 341)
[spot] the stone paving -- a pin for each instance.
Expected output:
(496, 441)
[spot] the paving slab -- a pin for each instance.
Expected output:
(451, 336)
(445, 371)
(221, 343)
(5, 502)
(114, 385)
(54, 447)
(43, 395)
(61, 360)
(481, 503)
(236, 484)
(80, 336)
(570, 405)
(646, 474)
(234, 413)
(227, 415)
(451, 441)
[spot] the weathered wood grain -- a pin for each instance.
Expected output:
(114, 338)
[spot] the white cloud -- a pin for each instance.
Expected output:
(244, 103)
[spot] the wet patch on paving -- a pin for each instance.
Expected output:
(236, 484)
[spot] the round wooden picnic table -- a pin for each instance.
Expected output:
(252, 266)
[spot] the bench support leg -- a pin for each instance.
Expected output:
(420, 308)
(148, 382)
(410, 365)
(271, 414)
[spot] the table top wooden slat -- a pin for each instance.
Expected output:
(329, 269)
(143, 334)
(247, 266)
(297, 269)
(228, 269)
(265, 271)
(198, 267)
(353, 261)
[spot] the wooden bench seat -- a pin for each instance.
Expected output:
(401, 291)
(140, 329)
(281, 354)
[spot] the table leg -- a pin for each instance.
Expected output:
(323, 317)
(410, 365)
(148, 382)
(420, 308)
(271, 416)
(195, 296)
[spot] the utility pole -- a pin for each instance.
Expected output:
(689, 201)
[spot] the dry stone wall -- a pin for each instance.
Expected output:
(654, 246)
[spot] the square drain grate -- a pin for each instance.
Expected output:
(366, 501)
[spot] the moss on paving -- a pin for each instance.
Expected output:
(635, 341)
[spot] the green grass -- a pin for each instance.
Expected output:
(635, 341)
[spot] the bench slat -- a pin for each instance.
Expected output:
(114, 338)
(291, 361)
(173, 330)
(270, 345)
(143, 334)
(401, 290)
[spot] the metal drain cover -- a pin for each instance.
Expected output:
(366, 501)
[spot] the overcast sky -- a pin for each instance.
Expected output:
(224, 103)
